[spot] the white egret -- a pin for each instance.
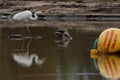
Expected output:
(25, 16)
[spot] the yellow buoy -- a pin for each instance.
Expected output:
(109, 41)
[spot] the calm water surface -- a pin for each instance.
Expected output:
(56, 61)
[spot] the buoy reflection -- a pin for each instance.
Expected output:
(109, 65)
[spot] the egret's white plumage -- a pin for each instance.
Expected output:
(26, 15)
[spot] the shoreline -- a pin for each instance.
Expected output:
(62, 8)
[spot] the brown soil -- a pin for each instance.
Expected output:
(57, 8)
(61, 7)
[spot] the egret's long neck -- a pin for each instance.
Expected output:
(34, 18)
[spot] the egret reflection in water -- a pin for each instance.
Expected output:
(26, 58)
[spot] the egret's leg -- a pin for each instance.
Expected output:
(23, 46)
(22, 28)
(23, 42)
(28, 29)
(28, 46)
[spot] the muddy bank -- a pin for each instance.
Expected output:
(51, 7)
(59, 8)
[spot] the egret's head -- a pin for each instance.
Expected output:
(40, 14)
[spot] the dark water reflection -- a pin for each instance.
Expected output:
(59, 63)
